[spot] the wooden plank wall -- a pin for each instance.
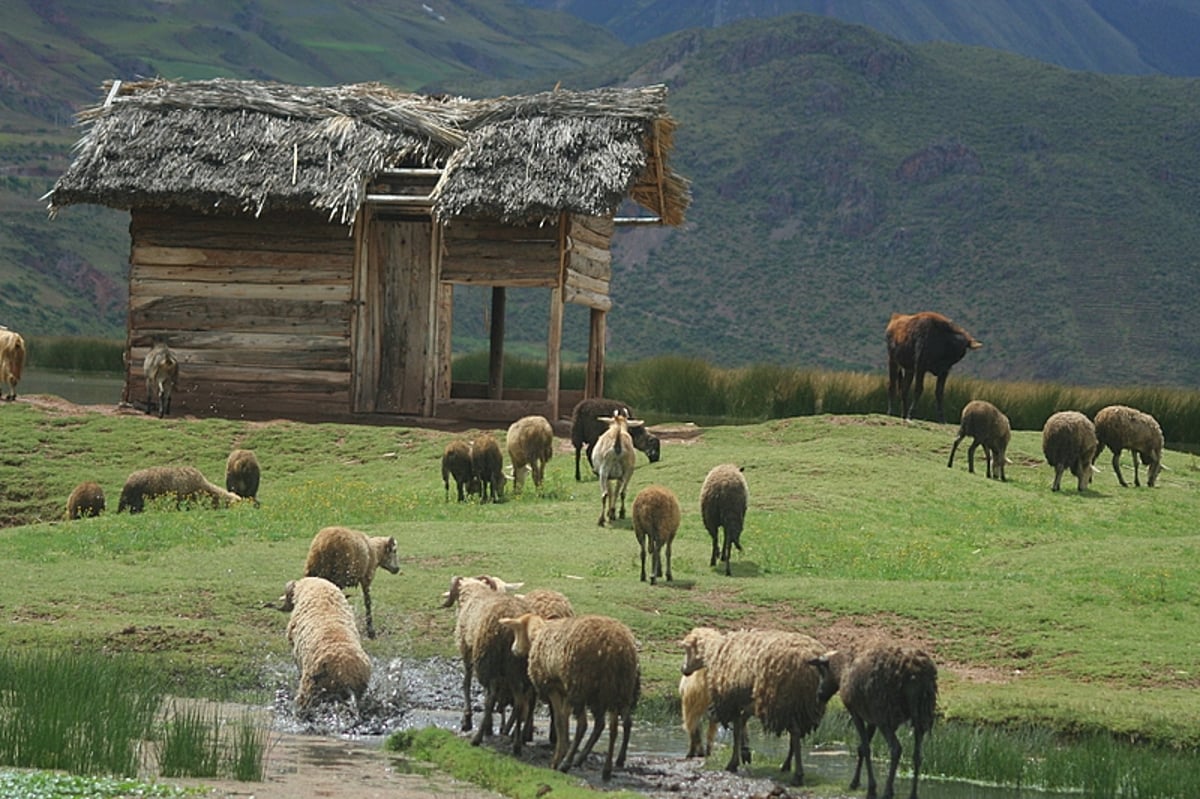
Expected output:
(589, 262)
(491, 254)
(258, 311)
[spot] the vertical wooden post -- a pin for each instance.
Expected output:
(594, 386)
(496, 357)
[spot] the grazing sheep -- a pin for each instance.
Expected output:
(883, 686)
(614, 460)
(185, 483)
(589, 420)
(578, 664)
(919, 343)
(162, 373)
(723, 500)
(488, 465)
(486, 647)
(1069, 442)
(694, 699)
(530, 442)
(12, 361)
(1121, 427)
(988, 427)
(456, 463)
(655, 518)
(86, 500)
(242, 474)
(763, 673)
(325, 643)
(348, 557)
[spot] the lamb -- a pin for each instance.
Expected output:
(723, 500)
(1121, 427)
(579, 664)
(883, 686)
(86, 500)
(589, 420)
(488, 466)
(614, 461)
(694, 699)
(655, 519)
(919, 343)
(530, 442)
(1069, 442)
(325, 643)
(12, 361)
(348, 557)
(242, 474)
(988, 427)
(162, 373)
(764, 673)
(185, 483)
(456, 463)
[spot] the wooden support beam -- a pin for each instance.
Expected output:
(496, 356)
(594, 381)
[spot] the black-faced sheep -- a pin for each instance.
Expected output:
(1120, 427)
(694, 699)
(162, 373)
(530, 442)
(763, 673)
(919, 343)
(988, 428)
(487, 463)
(589, 420)
(12, 361)
(724, 497)
(348, 557)
(242, 474)
(86, 500)
(883, 686)
(614, 460)
(579, 664)
(1069, 442)
(655, 521)
(456, 463)
(184, 483)
(325, 643)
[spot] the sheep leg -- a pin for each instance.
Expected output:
(489, 707)
(626, 726)
(726, 552)
(715, 549)
(580, 728)
(1116, 462)
(466, 689)
(794, 752)
(953, 449)
(916, 758)
(971, 457)
(578, 478)
(560, 727)
(669, 577)
(655, 561)
(1058, 472)
(889, 790)
(367, 604)
(642, 545)
(865, 733)
(741, 749)
(606, 773)
(992, 464)
(597, 729)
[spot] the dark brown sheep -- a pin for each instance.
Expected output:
(242, 474)
(487, 463)
(86, 500)
(919, 343)
(723, 500)
(589, 421)
(989, 428)
(456, 463)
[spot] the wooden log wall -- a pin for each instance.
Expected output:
(589, 262)
(257, 310)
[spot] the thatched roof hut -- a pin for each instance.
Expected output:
(246, 196)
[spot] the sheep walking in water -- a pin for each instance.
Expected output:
(1120, 427)
(348, 557)
(184, 483)
(694, 699)
(1069, 442)
(162, 373)
(723, 501)
(988, 428)
(325, 643)
(12, 361)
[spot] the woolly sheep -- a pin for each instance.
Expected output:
(488, 465)
(883, 686)
(988, 428)
(919, 343)
(185, 483)
(763, 673)
(589, 420)
(86, 500)
(162, 373)
(530, 442)
(456, 463)
(655, 520)
(614, 460)
(12, 361)
(486, 649)
(723, 500)
(1069, 442)
(694, 699)
(348, 557)
(242, 474)
(325, 643)
(578, 664)
(1121, 427)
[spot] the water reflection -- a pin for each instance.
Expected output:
(82, 388)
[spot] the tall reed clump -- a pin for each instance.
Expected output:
(195, 742)
(76, 354)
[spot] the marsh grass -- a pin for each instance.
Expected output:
(76, 354)
(195, 741)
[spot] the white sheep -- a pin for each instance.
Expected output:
(242, 474)
(12, 361)
(655, 521)
(1069, 442)
(487, 463)
(724, 497)
(161, 368)
(578, 664)
(86, 500)
(1121, 427)
(614, 460)
(694, 699)
(184, 483)
(325, 643)
(530, 443)
(456, 463)
(348, 557)
(988, 428)
(589, 420)
(883, 686)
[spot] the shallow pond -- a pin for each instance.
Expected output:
(82, 388)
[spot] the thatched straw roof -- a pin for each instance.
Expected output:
(251, 146)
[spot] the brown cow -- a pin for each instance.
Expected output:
(919, 343)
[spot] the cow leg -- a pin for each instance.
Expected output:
(914, 385)
(938, 391)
